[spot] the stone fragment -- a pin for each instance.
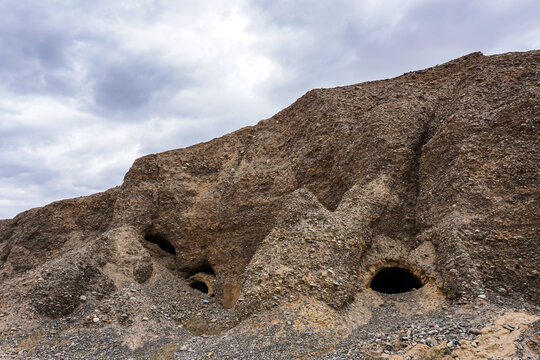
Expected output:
(142, 270)
(431, 342)
(231, 293)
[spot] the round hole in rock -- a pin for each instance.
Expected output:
(205, 268)
(160, 241)
(199, 285)
(395, 280)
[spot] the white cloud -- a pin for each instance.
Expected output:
(87, 87)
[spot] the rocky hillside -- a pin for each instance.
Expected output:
(414, 198)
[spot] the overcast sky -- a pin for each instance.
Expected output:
(86, 87)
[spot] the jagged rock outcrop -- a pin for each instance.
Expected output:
(435, 172)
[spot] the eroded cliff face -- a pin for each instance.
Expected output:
(435, 172)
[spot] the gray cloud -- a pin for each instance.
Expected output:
(129, 85)
(341, 42)
(86, 87)
(33, 49)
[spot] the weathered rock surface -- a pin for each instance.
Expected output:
(435, 172)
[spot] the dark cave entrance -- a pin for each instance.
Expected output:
(202, 278)
(395, 280)
(199, 285)
(205, 268)
(160, 241)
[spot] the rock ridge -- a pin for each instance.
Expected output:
(435, 172)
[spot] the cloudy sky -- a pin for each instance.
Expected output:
(86, 87)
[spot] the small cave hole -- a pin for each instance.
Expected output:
(395, 280)
(199, 285)
(206, 268)
(160, 241)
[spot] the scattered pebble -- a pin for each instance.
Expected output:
(510, 327)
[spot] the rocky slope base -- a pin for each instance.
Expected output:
(394, 218)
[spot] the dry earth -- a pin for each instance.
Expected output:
(389, 219)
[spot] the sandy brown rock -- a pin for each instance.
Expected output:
(231, 294)
(435, 172)
(41, 234)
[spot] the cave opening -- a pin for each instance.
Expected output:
(160, 241)
(395, 280)
(199, 285)
(202, 278)
(205, 268)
